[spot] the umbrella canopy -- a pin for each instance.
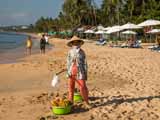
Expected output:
(100, 27)
(149, 23)
(99, 32)
(107, 28)
(130, 26)
(114, 29)
(154, 31)
(89, 31)
(80, 29)
(129, 32)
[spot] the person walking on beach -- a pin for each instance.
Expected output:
(28, 45)
(42, 44)
(77, 69)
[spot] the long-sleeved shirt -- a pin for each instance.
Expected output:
(78, 57)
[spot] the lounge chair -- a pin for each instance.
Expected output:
(101, 42)
(137, 44)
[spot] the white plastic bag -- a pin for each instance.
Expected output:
(55, 80)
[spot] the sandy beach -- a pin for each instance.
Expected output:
(123, 84)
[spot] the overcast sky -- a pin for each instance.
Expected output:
(18, 12)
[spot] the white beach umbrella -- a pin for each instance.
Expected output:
(129, 32)
(99, 32)
(114, 29)
(149, 23)
(80, 29)
(100, 27)
(89, 31)
(130, 26)
(154, 31)
(107, 28)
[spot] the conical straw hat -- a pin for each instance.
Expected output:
(75, 39)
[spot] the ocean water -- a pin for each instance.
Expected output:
(13, 48)
(10, 41)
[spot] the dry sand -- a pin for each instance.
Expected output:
(123, 84)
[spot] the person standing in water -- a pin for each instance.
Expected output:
(42, 44)
(77, 69)
(28, 45)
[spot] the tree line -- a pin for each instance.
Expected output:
(77, 13)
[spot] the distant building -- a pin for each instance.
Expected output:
(24, 27)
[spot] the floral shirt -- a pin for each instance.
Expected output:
(77, 56)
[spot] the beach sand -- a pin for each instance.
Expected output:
(123, 84)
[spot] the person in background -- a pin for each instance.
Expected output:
(77, 69)
(42, 44)
(28, 45)
(158, 40)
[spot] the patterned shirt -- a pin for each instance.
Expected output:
(77, 56)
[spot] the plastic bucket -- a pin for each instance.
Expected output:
(77, 97)
(61, 110)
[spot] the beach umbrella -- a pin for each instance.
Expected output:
(114, 29)
(130, 26)
(129, 32)
(149, 23)
(154, 31)
(99, 32)
(107, 28)
(89, 31)
(80, 29)
(100, 27)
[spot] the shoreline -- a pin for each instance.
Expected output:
(16, 55)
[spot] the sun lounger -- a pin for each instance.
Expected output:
(101, 43)
(137, 44)
(154, 48)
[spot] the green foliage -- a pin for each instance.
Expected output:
(112, 12)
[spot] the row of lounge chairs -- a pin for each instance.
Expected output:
(103, 42)
(154, 48)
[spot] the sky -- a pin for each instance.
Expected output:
(25, 12)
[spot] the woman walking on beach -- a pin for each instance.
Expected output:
(28, 45)
(42, 44)
(77, 69)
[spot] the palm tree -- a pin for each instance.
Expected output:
(111, 10)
